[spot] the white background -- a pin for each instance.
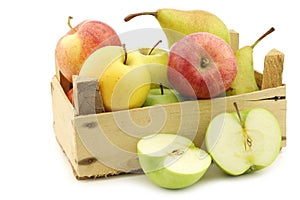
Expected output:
(32, 165)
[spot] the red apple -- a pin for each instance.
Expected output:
(74, 47)
(201, 65)
(70, 96)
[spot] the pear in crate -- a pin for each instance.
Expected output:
(244, 81)
(178, 23)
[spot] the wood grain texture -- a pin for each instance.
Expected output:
(273, 68)
(87, 99)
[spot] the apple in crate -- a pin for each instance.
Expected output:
(201, 65)
(125, 82)
(161, 95)
(157, 64)
(70, 96)
(107, 64)
(242, 142)
(79, 42)
(172, 161)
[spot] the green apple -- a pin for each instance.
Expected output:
(125, 83)
(172, 161)
(242, 142)
(161, 95)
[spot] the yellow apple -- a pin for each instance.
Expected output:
(125, 83)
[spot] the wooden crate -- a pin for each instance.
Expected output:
(104, 144)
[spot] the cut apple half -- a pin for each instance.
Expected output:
(172, 161)
(245, 141)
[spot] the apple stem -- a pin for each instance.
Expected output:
(69, 23)
(262, 37)
(248, 140)
(129, 17)
(161, 89)
(125, 54)
(238, 113)
(160, 41)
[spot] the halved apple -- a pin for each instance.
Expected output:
(245, 141)
(172, 161)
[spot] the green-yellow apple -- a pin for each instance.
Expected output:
(156, 60)
(125, 83)
(201, 65)
(172, 161)
(245, 141)
(161, 96)
(79, 42)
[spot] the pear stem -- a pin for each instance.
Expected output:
(161, 89)
(262, 37)
(69, 24)
(129, 17)
(125, 54)
(160, 41)
(238, 113)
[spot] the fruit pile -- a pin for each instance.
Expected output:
(200, 64)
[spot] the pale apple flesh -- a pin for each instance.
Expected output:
(172, 161)
(238, 148)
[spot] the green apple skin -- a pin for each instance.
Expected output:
(227, 141)
(171, 179)
(155, 97)
(175, 161)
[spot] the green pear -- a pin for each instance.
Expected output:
(244, 81)
(178, 23)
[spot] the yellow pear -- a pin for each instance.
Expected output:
(178, 23)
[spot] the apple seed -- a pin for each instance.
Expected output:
(249, 142)
(177, 152)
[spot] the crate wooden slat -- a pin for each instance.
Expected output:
(104, 144)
